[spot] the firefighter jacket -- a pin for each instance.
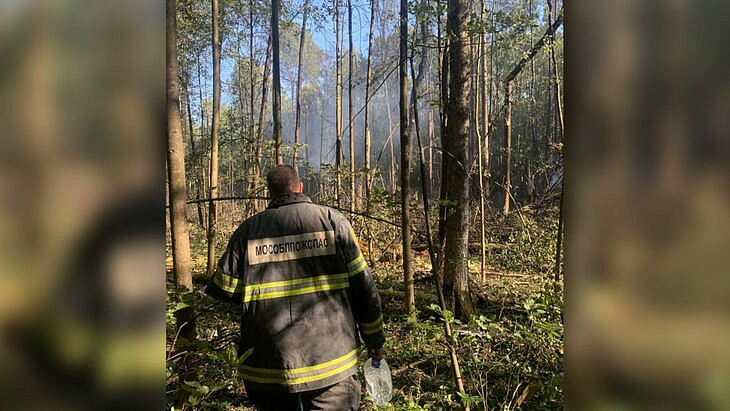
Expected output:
(306, 292)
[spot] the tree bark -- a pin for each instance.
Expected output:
(276, 106)
(176, 174)
(350, 106)
(299, 85)
(368, 179)
(338, 106)
(212, 212)
(405, 168)
(456, 273)
(176, 161)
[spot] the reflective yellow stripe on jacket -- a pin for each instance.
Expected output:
(300, 375)
(356, 266)
(372, 327)
(299, 286)
(226, 282)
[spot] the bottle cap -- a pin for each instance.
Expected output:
(376, 363)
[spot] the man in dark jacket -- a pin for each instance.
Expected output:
(307, 294)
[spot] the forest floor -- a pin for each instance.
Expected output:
(510, 353)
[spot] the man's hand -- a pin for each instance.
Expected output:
(375, 353)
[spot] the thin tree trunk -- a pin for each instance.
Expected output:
(405, 168)
(350, 106)
(478, 113)
(254, 136)
(212, 212)
(443, 99)
(456, 274)
(507, 145)
(203, 132)
(262, 109)
(338, 106)
(299, 85)
(368, 178)
(390, 127)
(276, 105)
(484, 105)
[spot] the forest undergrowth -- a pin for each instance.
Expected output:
(511, 352)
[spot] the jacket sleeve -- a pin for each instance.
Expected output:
(226, 284)
(365, 301)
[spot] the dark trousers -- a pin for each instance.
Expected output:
(345, 395)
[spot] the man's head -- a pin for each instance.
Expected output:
(282, 179)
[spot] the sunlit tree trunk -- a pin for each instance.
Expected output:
(212, 212)
(456, 273)
(176, 162)
(351, 106)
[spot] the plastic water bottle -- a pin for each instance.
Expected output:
(377, 381)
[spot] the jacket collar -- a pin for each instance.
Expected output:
(288, 198)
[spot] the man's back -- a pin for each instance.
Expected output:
(305, 289)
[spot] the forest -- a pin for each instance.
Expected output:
(435, 126)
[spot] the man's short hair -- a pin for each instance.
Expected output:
(281, 179)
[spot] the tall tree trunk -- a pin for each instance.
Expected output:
(405, 159)
(350, 106)
(338, 106)
(278, 149)
(176, 161)
(485, 103)
(212, 214)
(176, 174)
(368, 177)
(299, 85)
(481, 129)
(456, 273)
(262, 109)
(203, 132)
(446, 161)
(254, 136)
